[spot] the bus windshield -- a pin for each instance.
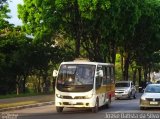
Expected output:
(75, 77)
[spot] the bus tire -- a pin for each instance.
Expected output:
(59, 109)
(96, 107)
(109, 103)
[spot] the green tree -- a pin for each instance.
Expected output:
(9, 46)
(73, 19)
(4, 28)
(129, 17)
(96, 29)
(147, 32)
(3, 14)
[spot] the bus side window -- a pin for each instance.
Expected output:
(108, 75)
(98, 78)
(105, 75)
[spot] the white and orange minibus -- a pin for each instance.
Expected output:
(84, 84)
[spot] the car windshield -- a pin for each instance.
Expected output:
(122, 84)
(153, 89)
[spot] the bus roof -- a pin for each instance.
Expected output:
(87, 62)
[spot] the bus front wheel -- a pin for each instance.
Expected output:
(59, 109)
(95, 108)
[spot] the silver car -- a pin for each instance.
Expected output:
(125, 89)
(150, 97)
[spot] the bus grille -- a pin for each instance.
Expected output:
(67, 103)
(151, 99)
(76, 97)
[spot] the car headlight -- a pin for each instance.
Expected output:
(127, 91)
(143, 98)
(88, 96)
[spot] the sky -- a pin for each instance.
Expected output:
(14, 15)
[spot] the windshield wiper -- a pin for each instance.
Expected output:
(67, 85)
(79, 86)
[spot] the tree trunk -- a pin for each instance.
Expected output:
(134, 76)
(39, 85)
(77, 29)
(77, 48)
(24, 83)
(46, 85)
(126, 66)
(122, 62)
(145, 73)
(149, 73)
(141, 84)
(139, 75)
(17, 85)
(113, 52)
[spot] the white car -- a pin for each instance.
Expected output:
(158, 81)
(125, 89)
(150, 97)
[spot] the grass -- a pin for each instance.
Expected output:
(22, 95)
(17, 104)
(24, 101)
(15, 95)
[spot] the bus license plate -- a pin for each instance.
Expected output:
(72, 103)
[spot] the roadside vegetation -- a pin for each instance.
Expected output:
(123, 32)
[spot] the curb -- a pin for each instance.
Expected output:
(27, 106)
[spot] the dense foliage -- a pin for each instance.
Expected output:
(124, 32)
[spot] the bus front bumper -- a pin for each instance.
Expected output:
(74, 103)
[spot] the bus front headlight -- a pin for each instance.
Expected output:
(59, 96)
(88, 96)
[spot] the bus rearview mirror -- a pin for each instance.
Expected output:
(55, 73)
(100, 73)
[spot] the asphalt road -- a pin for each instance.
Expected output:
(119, 109)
